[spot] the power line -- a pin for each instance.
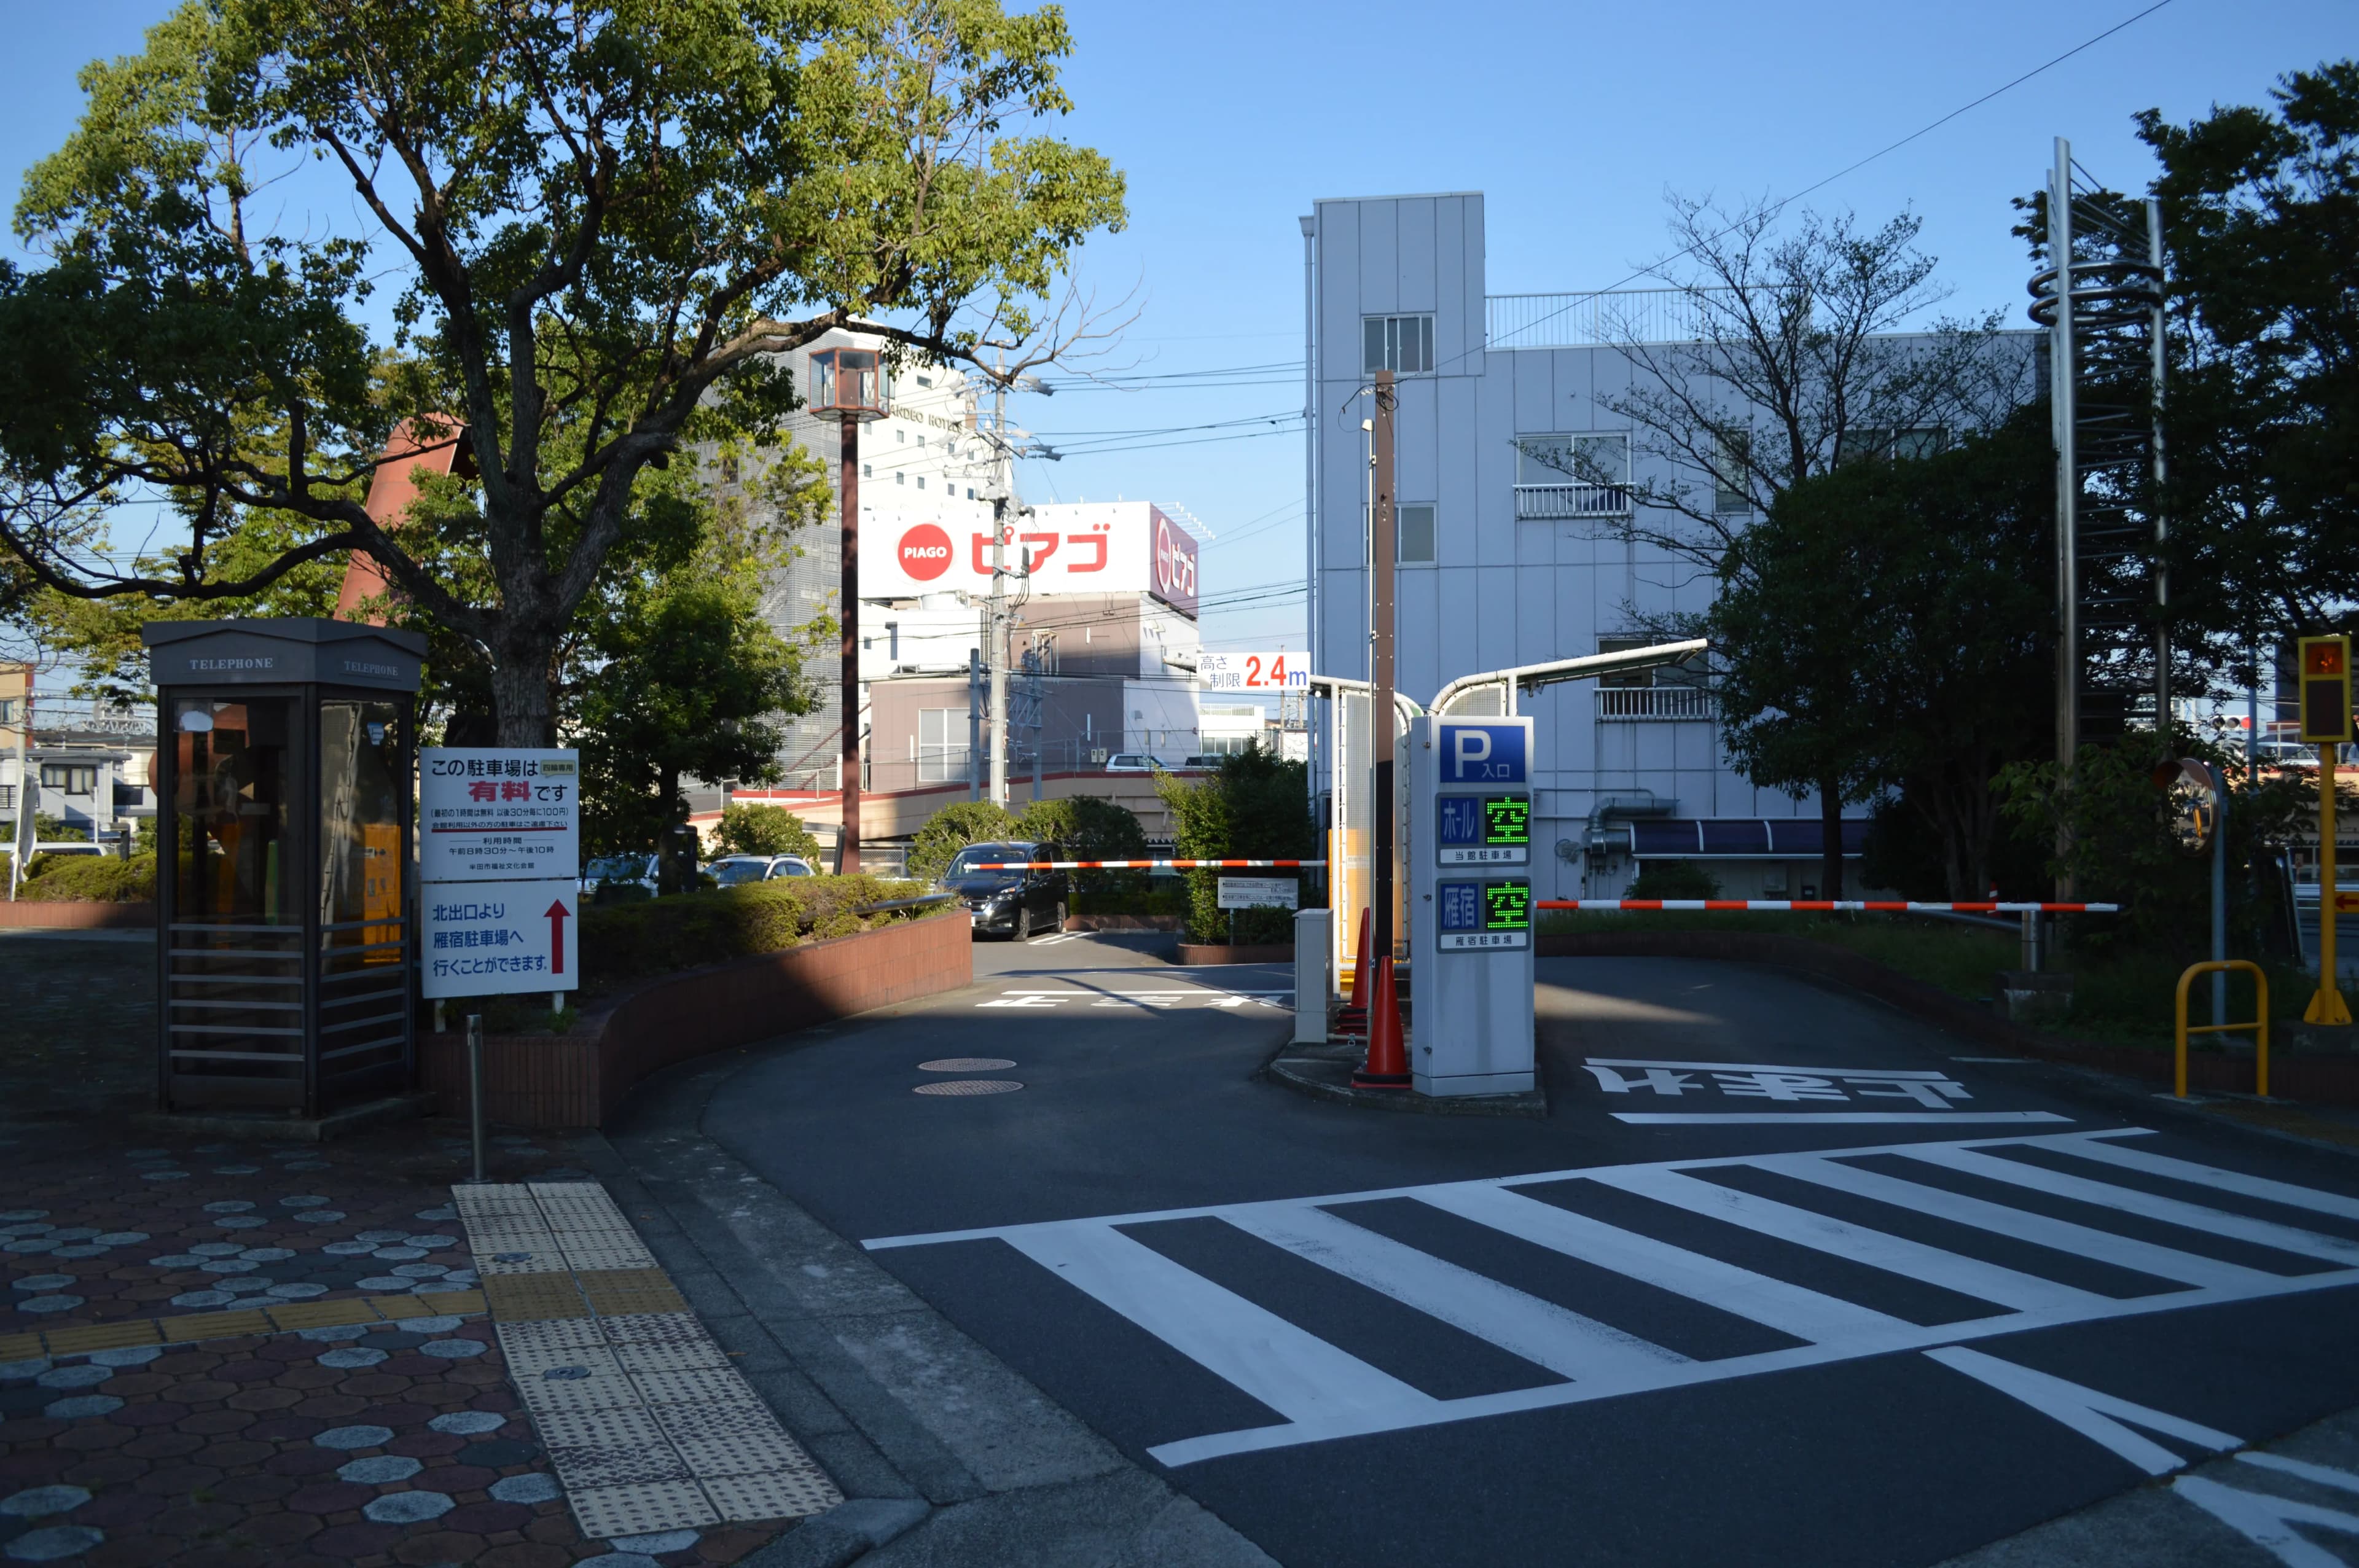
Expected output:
(1848, 168)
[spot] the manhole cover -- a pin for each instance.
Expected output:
(965, 1065)
(971, 1087)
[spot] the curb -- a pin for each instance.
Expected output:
(1324, 1072)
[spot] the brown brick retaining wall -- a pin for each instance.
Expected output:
(583, 1079)
(2325, 1079)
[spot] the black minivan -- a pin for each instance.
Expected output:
(1013, 903)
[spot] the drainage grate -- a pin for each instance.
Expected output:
(971, 1087)
(965, 1065)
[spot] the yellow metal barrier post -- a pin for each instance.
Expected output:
(2326, 724)
(2260, 1024)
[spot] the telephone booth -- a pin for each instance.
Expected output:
(283, 769)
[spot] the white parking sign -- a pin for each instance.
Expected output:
(494, 939)
(498, 812)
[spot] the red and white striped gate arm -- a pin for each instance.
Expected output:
(1144, 865)
(1826, 905)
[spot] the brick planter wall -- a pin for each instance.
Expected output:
(583, 1079)
(1242, 953)
(2321, 1079)
(77, 916)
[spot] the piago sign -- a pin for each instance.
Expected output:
(1122, 546)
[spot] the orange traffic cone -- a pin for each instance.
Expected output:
(1388, 1064)
(1352, 1018)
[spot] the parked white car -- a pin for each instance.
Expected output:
(736, 871)
(1135, 763)
(604, 868)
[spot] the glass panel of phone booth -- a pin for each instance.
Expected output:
(233, 995)
(363, 995)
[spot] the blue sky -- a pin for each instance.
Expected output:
(1229, 118)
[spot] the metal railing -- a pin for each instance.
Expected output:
(1654, 704)
(1543, 502)
(1593, 319)
(91, 716)
(2260, 1024)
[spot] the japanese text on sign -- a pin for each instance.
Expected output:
(1479, 917)
(1474, 830)
(496, 938)
(496, 814)
(1252, 672)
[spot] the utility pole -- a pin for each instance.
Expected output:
(2160, 348)
(847, 859)
(1002, 509)
(2063, 384)
(1380, 670)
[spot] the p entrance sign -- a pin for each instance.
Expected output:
(1496, 752)
(1471, 903)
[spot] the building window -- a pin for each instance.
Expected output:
(899, 478)
(7, 797)
(921, 481)
(1870, 442)
(868, 470)
(7, 710)
(1627, 680)
(970, 493)
(72, 778)
(1732, 471)
(900, 435)
(941, 744)
(729, 470)
(1596, 459)
(1402, 345)
(1415, 543)
(925, 380)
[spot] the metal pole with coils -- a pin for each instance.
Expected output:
(2326, 724)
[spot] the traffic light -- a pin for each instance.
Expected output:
(2325, 691)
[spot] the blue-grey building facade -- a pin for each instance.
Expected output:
(1506, 560)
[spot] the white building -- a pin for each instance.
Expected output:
(1103, 600)
(1502, 558)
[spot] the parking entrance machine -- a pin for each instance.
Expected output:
(1469, 845)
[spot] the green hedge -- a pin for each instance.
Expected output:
(90, 878)
(626, 941)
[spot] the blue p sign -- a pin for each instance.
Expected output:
(1482, 753)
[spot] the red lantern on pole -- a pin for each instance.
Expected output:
(852, 384)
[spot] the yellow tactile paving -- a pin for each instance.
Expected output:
(275, 1319)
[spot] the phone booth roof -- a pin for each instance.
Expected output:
(297, 650)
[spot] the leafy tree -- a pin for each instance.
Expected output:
(1889, 624)
(752, 828)
(1087, 828)
(689, 675)
(1791, 355)
(1674, 878)
(1254, 807)
(608, 224)
(952, 829)
(2114, 822)
(2261, 218)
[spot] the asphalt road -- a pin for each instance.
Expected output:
(1786, 1278)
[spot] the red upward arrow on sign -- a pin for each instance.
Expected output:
(557, 914)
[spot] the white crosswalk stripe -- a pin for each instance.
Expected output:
(1321, 1391)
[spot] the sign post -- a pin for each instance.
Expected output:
(2326, 724)
(500, 854)
(1471, 903)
